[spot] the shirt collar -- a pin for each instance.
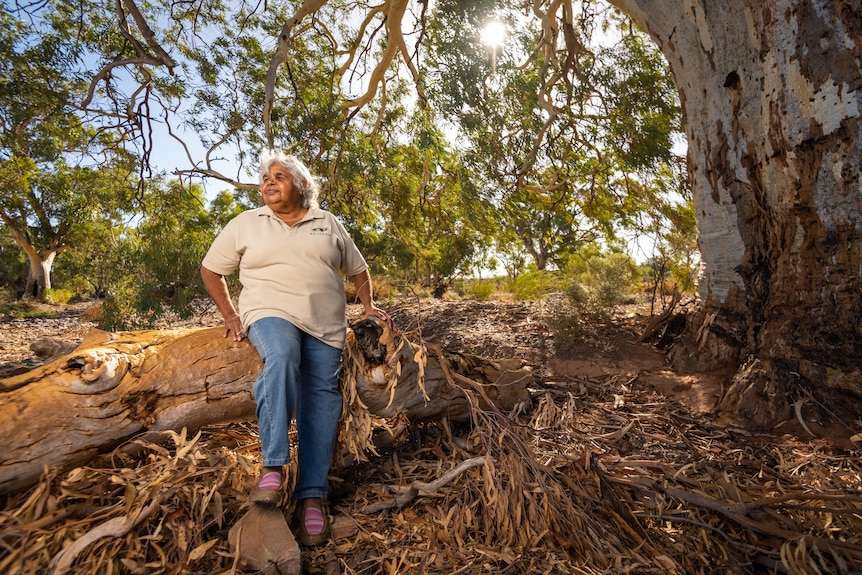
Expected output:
(313, 213)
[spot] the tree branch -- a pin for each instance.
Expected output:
(162, 58)
(280, 57)
(407, 494)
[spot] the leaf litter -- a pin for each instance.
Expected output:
(599, 476)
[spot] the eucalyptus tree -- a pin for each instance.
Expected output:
(564, 140)
(157, 256)
(60, 175)
(433, 207)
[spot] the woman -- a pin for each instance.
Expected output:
(291, 255)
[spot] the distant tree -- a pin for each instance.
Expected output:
(51, 212)
(430, 203)
(13, 264)
(159, 256)
(58, 174)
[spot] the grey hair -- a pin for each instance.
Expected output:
(303, 180)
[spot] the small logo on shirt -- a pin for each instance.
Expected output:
(319, 231)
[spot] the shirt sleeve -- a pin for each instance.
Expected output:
(223, 256)
(352, 261)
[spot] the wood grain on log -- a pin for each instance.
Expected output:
(115, 386)
(118, 386)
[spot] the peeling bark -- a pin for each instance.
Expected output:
(388, 357)
(772, 97)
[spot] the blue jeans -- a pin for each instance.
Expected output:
(300, 375)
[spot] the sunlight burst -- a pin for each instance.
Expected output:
(494, 33)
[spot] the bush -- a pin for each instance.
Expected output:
(7, 296)
(596, 285)
(599, 283)
(534, 285)
(569, 326)
(57, 296)
(480, 289)
(385, 291)
(93, 314)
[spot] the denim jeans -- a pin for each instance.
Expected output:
(300, 376)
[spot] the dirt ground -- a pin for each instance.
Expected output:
(634, 470)
(495, 329)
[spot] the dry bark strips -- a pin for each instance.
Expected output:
(116, 386)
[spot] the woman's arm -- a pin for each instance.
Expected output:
(365, 292)
(216, 287)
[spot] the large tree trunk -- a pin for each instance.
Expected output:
(41, 263)
(772, 95)
(117, 386)
(39, 277)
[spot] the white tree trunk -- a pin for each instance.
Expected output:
(39, 276)
(772, 95)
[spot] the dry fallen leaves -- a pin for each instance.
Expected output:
(577, 485)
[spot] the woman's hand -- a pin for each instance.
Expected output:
(233, 327)
(377, 312)
(216, 286)
(362, 282)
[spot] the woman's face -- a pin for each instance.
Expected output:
(277, 190)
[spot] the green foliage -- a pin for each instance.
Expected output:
(25, 310)
(481, 290)
(570, 146)
(161, 256)
(54, 198)
(57, 296)
(673, 262)
(7, 296)
(13, 263)
(554, 151)
(597, 283)
(534, 285)
(425, 222)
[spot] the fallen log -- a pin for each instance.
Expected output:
(116, 386)
(119, 386)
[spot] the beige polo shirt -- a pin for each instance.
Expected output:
(292, 272)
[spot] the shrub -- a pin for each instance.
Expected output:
(57, 296)
(599, 283)
(569, 326)
(596, 285)
(384, 290)
(534, 285)
(7, 295)
(480, 289)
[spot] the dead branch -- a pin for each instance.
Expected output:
(116, 527)
(657, 322)
(407, 494)
(116, 386)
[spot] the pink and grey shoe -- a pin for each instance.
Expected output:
(268, 489)
(313, 523)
